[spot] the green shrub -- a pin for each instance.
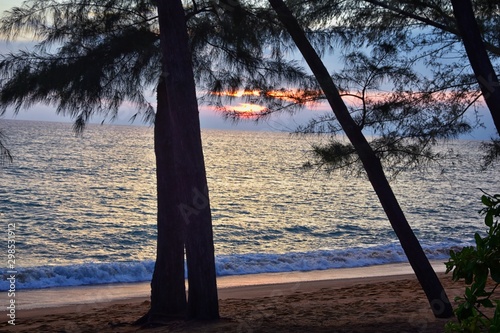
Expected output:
(475, 265)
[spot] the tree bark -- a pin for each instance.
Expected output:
(478, 57)
(428, 279)
(168, 291)
(189, 190)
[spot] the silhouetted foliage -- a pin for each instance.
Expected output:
(426, 46)
(92, 57)
(424, 272)
(404, 112)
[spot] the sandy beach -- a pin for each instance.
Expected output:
(352, 301)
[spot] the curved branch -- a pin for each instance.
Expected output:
(490, 47)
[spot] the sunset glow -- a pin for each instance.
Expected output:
(243, 110)
(250, 109)
(291, 95)
(252, 103)
(308, 97)
(238, 93)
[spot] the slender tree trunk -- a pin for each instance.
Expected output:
(168, 292)
(190, 186)
(428, 279)
(478, 57)
(203, 300)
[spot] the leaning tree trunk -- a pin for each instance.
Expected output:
(190, 186)
(428, 279)
(478, 57)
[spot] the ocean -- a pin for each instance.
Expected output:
(84, 207)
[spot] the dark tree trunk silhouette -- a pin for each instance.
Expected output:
(168, 292)
(184, 217)
(428, 279)
(478, 57)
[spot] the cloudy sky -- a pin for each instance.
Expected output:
(209, 119)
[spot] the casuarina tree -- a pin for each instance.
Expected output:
(110, 53)
(454, 44)
(427, 277)
(183, 181)
(92, 57)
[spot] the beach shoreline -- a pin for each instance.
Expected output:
(351, 300)
(92, 294)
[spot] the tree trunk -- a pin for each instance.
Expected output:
(428, 279)
(478, 57)
(203, 300)
(168, 291)
(190, 185)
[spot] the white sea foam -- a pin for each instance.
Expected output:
(252, 263)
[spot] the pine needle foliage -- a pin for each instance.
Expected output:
(404, 72)
(404, 112)
(411, 52)
(94, 56)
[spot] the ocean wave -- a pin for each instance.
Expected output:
(238, 264)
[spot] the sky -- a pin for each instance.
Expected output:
(208, 118)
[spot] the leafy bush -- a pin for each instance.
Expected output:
(475, 265)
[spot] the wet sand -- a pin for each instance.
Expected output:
(363, 301)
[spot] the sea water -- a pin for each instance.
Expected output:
(84, 207)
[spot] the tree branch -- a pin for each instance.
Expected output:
(492, 48)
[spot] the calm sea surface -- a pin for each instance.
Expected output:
(84, 207)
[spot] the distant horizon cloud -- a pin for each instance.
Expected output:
(210, 119)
